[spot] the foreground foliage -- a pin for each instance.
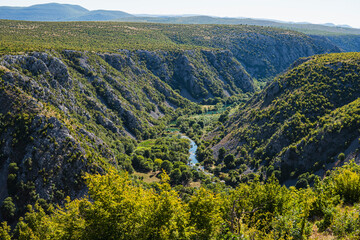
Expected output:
(118, 208)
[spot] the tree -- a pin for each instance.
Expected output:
(128, 166)
(138, 162)
(205, 214)
(175, 176)
(157, 163)
(229, 161)
(186, 176)
(167, 166)
(222, 152)
(8, 209)
(301, 183)
(224, 117)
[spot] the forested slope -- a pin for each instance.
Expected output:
(302, 121)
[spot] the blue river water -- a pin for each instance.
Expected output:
(193, 147)
(192, 158)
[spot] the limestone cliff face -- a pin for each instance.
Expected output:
(201, 73)
(119, 90)
(263, 52)
(90, 84)
(274, 54)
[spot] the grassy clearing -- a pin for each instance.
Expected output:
(316, 235)
(146, 144)
(148, 177)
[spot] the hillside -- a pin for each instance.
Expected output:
(64, 114)
(264, 52)
(303, 122)
(99, 15)
(347, 39)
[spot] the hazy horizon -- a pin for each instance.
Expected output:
(312, 11)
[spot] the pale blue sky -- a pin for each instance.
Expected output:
(315, 11)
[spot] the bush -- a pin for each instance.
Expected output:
(301, 183)
(346, 223)
(5, 231)
(126, 165)
(222, 152)
(346, 183)
(175, 176)
(13, 168)
(341, 157)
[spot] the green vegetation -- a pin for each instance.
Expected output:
(99, 99)
(122, 209)
(19, 36)
(169, 154)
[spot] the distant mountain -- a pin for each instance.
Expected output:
(307, 28)
(67, 12)
(345, 26)
(59, 12)
(101, 15)
(333, 25)
(43, 12)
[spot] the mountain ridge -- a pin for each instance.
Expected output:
(80, 13)
(262, 51)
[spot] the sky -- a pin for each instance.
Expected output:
(314, 11)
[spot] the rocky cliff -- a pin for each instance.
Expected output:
(263, 51)
(202, 74)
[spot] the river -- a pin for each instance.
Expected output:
(192, 159)
(192, 151)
